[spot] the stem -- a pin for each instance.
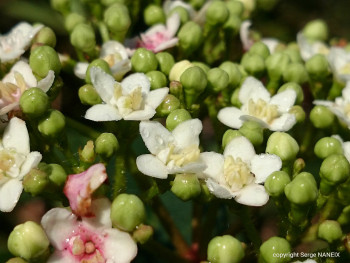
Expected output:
(249, 227)
(81, 128)
(119, 184)
(103, 31)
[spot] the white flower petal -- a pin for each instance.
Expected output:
(323, 103)
(153, 30)
(80, 69)
(252, 195)
(173, 24)
(284, 100)
(25, 70)
(141, 115)
(113, 47)
(245, 35)
(136, 80)
(245, 118)
(219, 190)
(253, 89)
(230, 116)
(214, 163)
(155, 97)
(32, 161)
(195, 168)
(103, 112)
(103, 83)
(101, 208)
(46, 83)
(187, 133)
(9, 194)
(346, 149)
(271, 43)
(9, 108)
(166, 44)
(283, 123)
(240, 147)
(263, 165)
(120, 68)
(151, 166)
(16, 136)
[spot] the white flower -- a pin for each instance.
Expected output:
(91, 239)
(169, 5)
(239, 172)
(15, 43)
(171, 152)
(115, 54)
(257, 105)
(16, 161)
(308, 48)
(341, 106)
(129, 100)
(339, 61)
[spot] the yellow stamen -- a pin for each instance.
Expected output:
(237, 173)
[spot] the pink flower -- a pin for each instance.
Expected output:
(79, 188)
(87, 240)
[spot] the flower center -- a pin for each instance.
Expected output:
(10, 163)
(111, 59)
(237, 173)
(186, 156)
(262, 110)
(86, 251)
(127, 103)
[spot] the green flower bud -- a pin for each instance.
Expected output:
(330, 231)
(196, 4)
(327, 146)
(127, 212)
(73, 19)
(261, 49)
(234, 74)
(142, 234)
(52, 123)
(176, 117)
(43, 59)
(295, 72)
(302, 189)
(168, 105)
(216, 13)
(229, 135)
(99, 63)
(298, 165)
(276, 182)
(190, 37)
(296, 87)
(87, 154)
(143, 60)
(202, 65)
(317, 67)
(194, 81)
(83, 38)
(293, 54)
(249, 7)
(235, 7)
(254, 64)
(35, 181)
(157, 79)
(276, 64)
(344, 217)
(28, 241)
(298, 112)
(225, 249)
(186, 186)
(235, 98)
(283, 145)
(316, 30)
(34, 102)
(179, 68)
(62, 6)
(153, 14)
(253, 131)
(233, 24)
(165, 62)
(273, 246)
(182, 12)
(218, 80)
(46, 36)
(117, 19)
(321, 117)
(56, 174)
(106, 144)
(16, 260)
(88, 95)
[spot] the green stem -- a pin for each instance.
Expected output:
(119, 184)
(103, 31)
(81, 128)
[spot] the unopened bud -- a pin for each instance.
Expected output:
(186, 186)
(225, 249)
(144, 60)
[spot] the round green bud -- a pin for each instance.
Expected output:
(43, 59)
(142, 234)
(28, 241)
(295, 72)
(293, 54)
(127, 212)
(296, 87)
(283, 145)
(229, 135)
(168, 105)
(179, 68)
(225, 249)
(56, 174)
(216, 13)
(276, 64)
(106, 144)
(317, 67)
(335, 169)
(117, 18)
(235, 7)
(254, 64)
(261, 49)
(218, 80)
(182, 12)
(194, 82)
(276, 182)
(83, 37)
(327, 146)
(234, 74)
(330, 231)
(176, 117)
(316, 30)
(249, 7)
(16, 260)
(157, 79)
(62, 6)
(253, 131)
(273, 246)
(344, 217)
(302, 189)
(35, 181)
(46, 36)
(298, 112)
(190, 37)
(186, 186)
(233, 24)
(165, 62)
(144, 60)
(99, 63)
(34, 102)
(202, 65)
(321, 117)
(196, 4)
(235, 98)
(52, 123)
(153, 14)
(73, 19)
(88, 95)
